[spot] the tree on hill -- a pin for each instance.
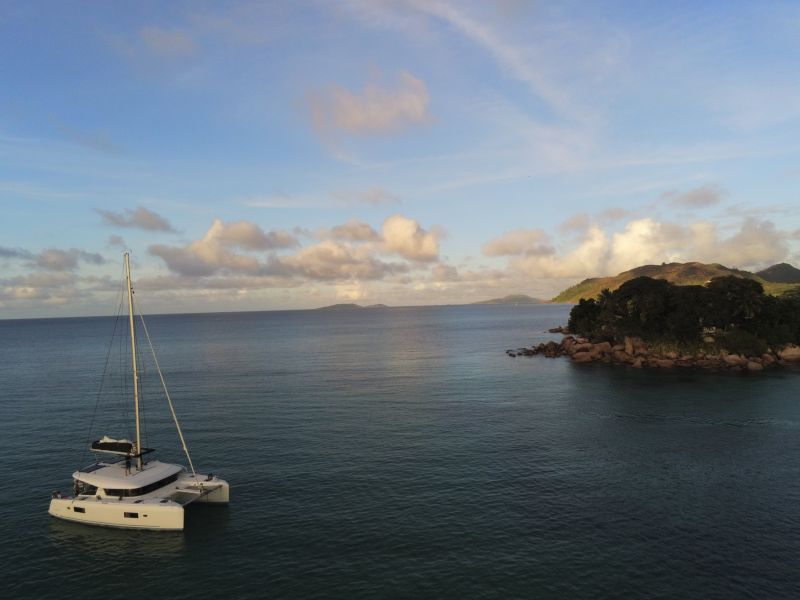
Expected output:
(657, 310)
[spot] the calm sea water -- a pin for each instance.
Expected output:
(400, 454)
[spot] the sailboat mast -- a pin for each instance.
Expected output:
(133, 360)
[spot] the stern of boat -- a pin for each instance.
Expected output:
(208, 489)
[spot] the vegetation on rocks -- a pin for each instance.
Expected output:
(737, 309)
(729, 323)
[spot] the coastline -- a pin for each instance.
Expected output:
(636, 353)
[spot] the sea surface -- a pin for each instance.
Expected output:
(399, 453)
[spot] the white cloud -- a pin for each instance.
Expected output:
(374, 111)
(354, 231)
(211, 253)
(330, 260)
(756, 244)
(405, 237)
(250, 236)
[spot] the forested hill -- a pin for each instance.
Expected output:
(780, 273)
(692, 273)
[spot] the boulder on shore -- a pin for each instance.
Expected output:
(790, 353)
(635, 352)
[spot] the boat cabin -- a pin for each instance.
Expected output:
(114, 479)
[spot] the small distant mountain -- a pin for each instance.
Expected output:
(512, 299)
(351, 306)
(692, 273)
(780, 273)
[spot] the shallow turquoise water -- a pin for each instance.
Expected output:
(400, 453)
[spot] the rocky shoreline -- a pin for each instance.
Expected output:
(636, 353)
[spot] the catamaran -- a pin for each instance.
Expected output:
(127, 490)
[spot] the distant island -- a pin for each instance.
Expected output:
(350, 306)
(775, 280)
(727, 322)
(512, 299)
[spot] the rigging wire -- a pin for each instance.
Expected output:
(105, 370)
(169, 399)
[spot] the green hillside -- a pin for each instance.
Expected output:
(692, 273)
(780, 273)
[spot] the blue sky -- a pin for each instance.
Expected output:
(281, 155)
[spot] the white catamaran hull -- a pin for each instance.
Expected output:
(162, 510)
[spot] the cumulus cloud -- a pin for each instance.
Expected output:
(354, 231)
(756, 244)
(211, 253)
(330, 260)
(374, 111)
(250, 236)
(140, 218)
(350, 252)
(520, 242)
(405, 237)
(700, 197)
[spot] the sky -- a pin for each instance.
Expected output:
(287, 155)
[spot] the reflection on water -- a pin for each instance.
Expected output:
(109, 543)
(402, 453)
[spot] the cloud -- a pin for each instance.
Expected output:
(579, 222)
(441, 272)
(374, 196)
(354, 231)
(53, 259)
(520, 242)
(116, 240)
(615, 213)
(166, 43)
(701, 197)
(756, 244)
(250, 236)
(51, 288)
(405, 237)
(329, 260)
(376, 111)
(140, 218)
(14, 253)
(348, 252)
(99, 140)
(211, 254)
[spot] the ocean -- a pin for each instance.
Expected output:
(399, 453)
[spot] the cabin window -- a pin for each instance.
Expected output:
(79, 509)
(131, 515)
(142, 490)
(81, 488)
